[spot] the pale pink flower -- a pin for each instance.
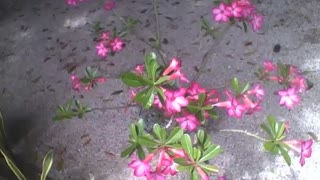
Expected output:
(304, 148)
(256, 22)
(236, 109)
(76, 83)
(139, 69)
(117, 45)
(235, 9)
(175, 64)
(101, 49)
(288, 97)
(141, 168)
(221, 13)
(157, 103)
(203, 174)
(172, 169)
(175, 100)
(157, 176)
(188, 122)
(109, 5)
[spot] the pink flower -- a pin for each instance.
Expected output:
(223, 177)
(188, 122)
(117, 45)
(256, 22)
(175, 100)
(157, 176)
(235, 9)
(203, 174)
(157, 103)
(174, 65)
(105, 36)
(289, 97)
(269, 66)
(101, 49)
(236, 109)
(221, 13)
(302, 147)
(178, 74)
(139, 69)
(299, 83)
(109, 5)
(76, 83)
(194, 90)
(72, 2)
(141, 168)
(258, 91)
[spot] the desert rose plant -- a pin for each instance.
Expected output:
(183, 144)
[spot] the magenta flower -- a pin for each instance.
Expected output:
(257, 90)
(299, 83)
(109, 5)
(105, 36)
(221, 13)
(141, 168)
(117, 45)
(194, 90)
(178, 75)
(72, 2)
(188, 122)
(223, 177)
(76, 83)
(157, 103)
(101, 49)
(235, 9)
(175, 100)
(269, 66)
(256, 22)
(174, 65)
(236, 109)
(304, 148)
(157, 176)
(139, 69)
(288, 97)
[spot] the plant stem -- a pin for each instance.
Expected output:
(112, 108)
(246, 133)
(158, 36)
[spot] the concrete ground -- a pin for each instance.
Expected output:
(40, 41)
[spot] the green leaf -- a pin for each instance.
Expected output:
(245, 27)
(132, 79)
(273, 125)
(235, 85)
(147, 141)
(2, 131)
(201, 136)
(162, 79)
(140, 125)
(46, 165)
(128, 151)
(280, 131)
(194, 175)
(202, 98)
(151, 65)
(180, 161)
(160, 94)
(210, 168)
(193, 108)
(211, 152)
(285, 155)
(133, 132)
(159, 132)
(196, 154)
(140, 152)
(245, 88)
(271, 147)
(187, 144)
(12, 165)
(266, 129)
(175, 135)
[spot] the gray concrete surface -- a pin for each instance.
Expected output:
(34, 80)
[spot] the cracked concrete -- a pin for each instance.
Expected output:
(42, 41)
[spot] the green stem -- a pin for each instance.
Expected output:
(246, 133)
(158, 36)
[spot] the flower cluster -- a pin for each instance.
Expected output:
(239, 10)
(288, 76)
(246, 102)
(78, 84)
(164, 160)
(107, 44)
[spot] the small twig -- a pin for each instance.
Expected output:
(169, 123)
(210, 52)
(246, 133)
